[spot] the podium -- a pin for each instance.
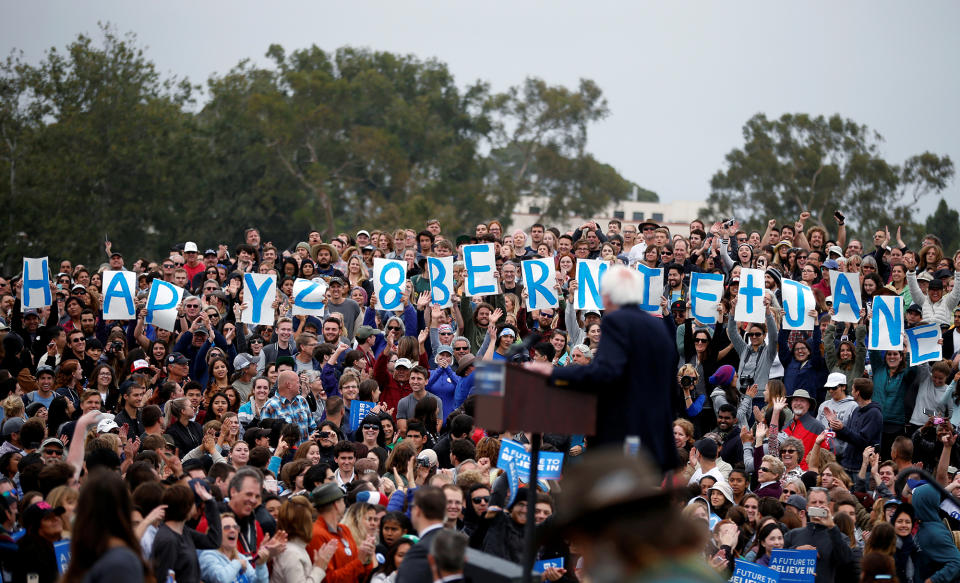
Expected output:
(510, 397)
(527, 401)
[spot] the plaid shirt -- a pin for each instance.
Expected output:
(294, 410)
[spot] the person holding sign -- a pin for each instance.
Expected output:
(755, 356)
(850, 357)
(891, 377)
(931, 387)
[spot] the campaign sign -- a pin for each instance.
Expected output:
(36, 283)
(794, 566)
(359, 410)
(541, 566)
(162, 302)
(62, 551)
(481, 263)
(750, 297)
(549, 468)
(308, 296)
(845, 288)
(706, 290)
(441, 280)
(652, 281)
(924, 344)
(886, 323)
(259, 293)
(540, 275)
(589, 275)
(798, 300)
(118, 290)
(389, 278)
(745, 572)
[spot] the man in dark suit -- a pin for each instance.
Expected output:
(447, 554)
(633, 367)
(429, 510)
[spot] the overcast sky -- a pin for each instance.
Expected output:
(681, 78)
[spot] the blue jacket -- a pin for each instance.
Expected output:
(862, 429)
(809, 374)
(443, 383)
(464, 388)
(942, 563)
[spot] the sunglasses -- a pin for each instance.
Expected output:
(765, 469)
(446, 333)
(393, 327)
(462, 349)
(788, 451)
(167, 266)
(230, 526)
(754, 334)
(371, 427)
(542, 315)
(53, 451)
(81, 292)
(701, 341)
(78, 340)
(791, 492)
(479, 499)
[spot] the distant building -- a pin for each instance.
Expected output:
(675, 215)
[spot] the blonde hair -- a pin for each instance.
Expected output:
(353, 520)
(12, 406)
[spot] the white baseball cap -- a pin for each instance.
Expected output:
(836, 378)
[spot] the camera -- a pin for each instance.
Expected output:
(423, 462)
(746, 382)
(116, 345)
(686, 381)
(324, 435)
(817, 512)
(839, 216)
(729, 223)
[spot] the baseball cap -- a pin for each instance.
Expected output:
(835, 250)
(445, 348)
(678, 306)
(139, 364)
(428, 455)
(364, 332)
(243, 360)
(201, 330)
(403, 362)
(707, 447)
(368, 248)
(107, 425)
(942, 273)
(209, 252)
(77, 286)
(924, 276)
(45, 369)
(363, 232)
(335, 280)
(915, 308)
(116, 254)
(797, 501)
(168, 439)
(51, 441)
(177, 358)
(831, 264)
(31, 312)
(190, 247)
(836, 378)
(37, 511)
(935, 284)
(591, 312)
(12, 425)
(507, 332)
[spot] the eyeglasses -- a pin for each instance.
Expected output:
(645, 229)
(256, 341)
(230, 526)
(167, 266)
(371, 427)
(479, 499)
(195, 306)
(788, 451)
(754, 334)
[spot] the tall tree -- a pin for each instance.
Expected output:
(540, 150)
(801, 163)
(945, 223)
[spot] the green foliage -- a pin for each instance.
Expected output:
(95, 143)
(945, 223)
(801, 163)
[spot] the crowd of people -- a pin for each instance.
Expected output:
(344, 447)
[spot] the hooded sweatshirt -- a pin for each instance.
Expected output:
(844, 409)
(942, 564)
(831, 353)
(864, 428)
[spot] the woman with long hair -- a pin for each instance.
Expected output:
(387, 572)
(898, 284)
(187, 434)
(930, 256)
(294, 564)
(250, 411)
(891, 378)
(104, 546)
(357, 274)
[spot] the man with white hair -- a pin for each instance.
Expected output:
(628, 371)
